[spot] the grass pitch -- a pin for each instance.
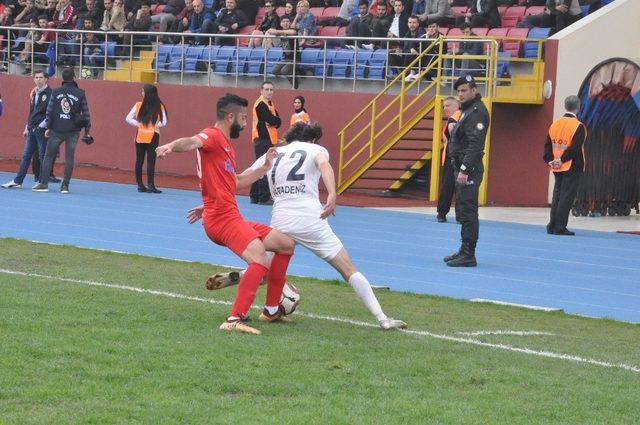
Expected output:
(75, 353)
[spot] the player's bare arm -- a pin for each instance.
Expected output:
(184, 144)
(195, 214)
(249, 176)
(328, 178)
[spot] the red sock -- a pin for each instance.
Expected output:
(247, 288)
(277, 276)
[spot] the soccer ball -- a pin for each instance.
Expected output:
(290, 299)
(86, 73)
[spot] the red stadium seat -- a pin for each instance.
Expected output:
(502, 9)
(342, 31)
(534, 10)
(512, 16)
(480, 31)
(498, 32)
(316, 11)
(452, 46)
(513, 46)
(246, 30)
(157, 9)
(330, 12)
(328, 31)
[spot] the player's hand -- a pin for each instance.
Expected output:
(195, 214)
(330, 207)
(462, 178)
(162, 151)
(269, 156)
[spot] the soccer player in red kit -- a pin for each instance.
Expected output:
(221, 219)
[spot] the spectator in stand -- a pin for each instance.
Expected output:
(304, 22)
(40, 43)
(470, 47)
(181, 24)
(290, 11)
(360, 26)
(229, 21)
(381, 23)
(558, 14)
(300, 114)
(113, 19)
(50, 11)
(347, 12)
(459, 3)
(131, 7)
(271, 21)
(250, 9)
(168, 15)
(89, 11)
(483, 14)
(141, 22)
(6, 20)
(403, 56)
(29, 14)
(285, 66)
(65, 14)
(147, 116)
(436, 10)
(201, 22)
(92, 49)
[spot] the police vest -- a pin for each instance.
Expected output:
(273, 132)
(455, 117)
(301, 116)
(146, 132)
(561, 134)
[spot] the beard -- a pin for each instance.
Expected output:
(234, 131)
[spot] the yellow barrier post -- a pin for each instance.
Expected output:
(434, 180)
(488, 101)
(340, 164)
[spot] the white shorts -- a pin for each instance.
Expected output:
(313, 233)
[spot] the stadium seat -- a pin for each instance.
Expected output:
(453, 45)
(459, 10)
(223, 59)
(175, 58)
(324, 63)
(514, 46)
(480, 31)
(534, 10)
(512, 16)
(316, 12)
(341, 63)
(110, 48)
(498, 32)
(246, 30)
(328, 31)
(504, 67)
(259, 16)
(531, 47)
(157, 9)
(342, 31)
(308, 59)
(255, 61)
(191, 57)
(162, 55)
(240, 59)
(330, 12)
(362, 63)
(377, 65)
(585, 9)
(274, 55)
(502, 10)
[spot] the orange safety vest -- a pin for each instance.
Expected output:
(561, 134)
(300, 117)
(273, 132)
(455, 117)
(146, 132)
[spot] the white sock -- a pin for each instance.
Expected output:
(271, 310)
(363, 290)
(232, 318)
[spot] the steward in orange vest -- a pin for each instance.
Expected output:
(300, 114)
(266, 122)
(564, 154)
(447, 179)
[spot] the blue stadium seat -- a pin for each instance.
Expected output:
(377, 65)
(341, 63)
(175, 58)
(191, 57)
(531, 47)
(110, 48)
(585, 9)
(274, 55)
(323, 64)
(223, 58)
(240, 59)
(504, 67)
(362, 63)
(256, 59)
(308, 59)
(162, 56)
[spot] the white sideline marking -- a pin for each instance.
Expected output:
(548, 354)
(516, 333)
(530, 307)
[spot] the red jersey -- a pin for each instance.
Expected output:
(218, 176)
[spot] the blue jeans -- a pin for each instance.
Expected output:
(35, 143)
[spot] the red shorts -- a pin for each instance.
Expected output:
(236, 234)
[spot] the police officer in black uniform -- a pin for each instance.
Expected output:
(67, 114)
(466, 150)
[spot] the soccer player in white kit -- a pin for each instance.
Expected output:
(293, 180)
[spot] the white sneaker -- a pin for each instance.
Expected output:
(411, 77)
(11, 185)
(368, 46)
(39, 187)
(389, 323)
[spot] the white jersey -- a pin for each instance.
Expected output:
(294, 178)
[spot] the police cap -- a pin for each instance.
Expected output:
(464, 79)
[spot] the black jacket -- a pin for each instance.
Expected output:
(65, 100)
(265, 117)
(38, 111)
(573, 153)
(227, 17)
(489, 11)
(467, 138)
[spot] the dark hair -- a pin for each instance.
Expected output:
(381, 3)
(416, 18)
(145, 3)
(68, 74)
(40, 71)
(152, 107)
(264, 83)
(301, 132)
(301, 99)
(226, 100)
(43, 17)
(363, 3)
(466, 25)
(572, 104)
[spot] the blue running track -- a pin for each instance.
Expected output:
(593, 273)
